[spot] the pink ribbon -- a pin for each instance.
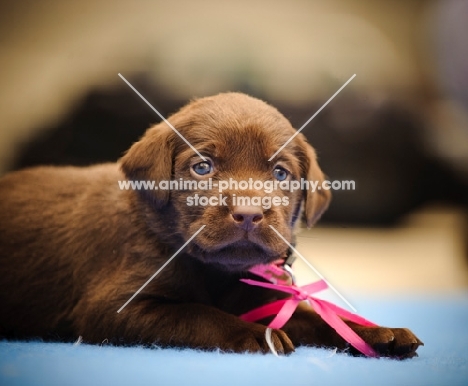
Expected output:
(283, 309)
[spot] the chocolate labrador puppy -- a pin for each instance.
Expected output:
(75, 245)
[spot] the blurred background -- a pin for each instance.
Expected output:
(399, 129)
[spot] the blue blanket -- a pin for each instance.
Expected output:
(441, 323)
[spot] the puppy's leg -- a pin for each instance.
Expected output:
(307, 328)
(147, 321)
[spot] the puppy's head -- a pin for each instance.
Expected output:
(237, 135)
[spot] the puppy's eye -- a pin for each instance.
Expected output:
(280, 174)
(203, 168)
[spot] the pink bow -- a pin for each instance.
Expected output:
(283, 309)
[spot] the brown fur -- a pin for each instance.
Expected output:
(74, 247)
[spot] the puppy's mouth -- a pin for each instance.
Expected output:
(238, 256)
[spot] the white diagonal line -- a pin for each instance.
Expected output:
(161, 116)
(160, 269)
(312, 117)
(313, 269)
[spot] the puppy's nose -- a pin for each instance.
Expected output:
(247, 217)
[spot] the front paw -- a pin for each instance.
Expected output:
(252, 339)
(399, 343)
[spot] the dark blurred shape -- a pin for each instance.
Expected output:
(100, 128)
(371, 140)
(378, 143)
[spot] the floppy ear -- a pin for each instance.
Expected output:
(151, 159)
(316, 203)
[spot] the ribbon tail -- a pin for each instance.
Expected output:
(315, 287)
(285, 313)
(263, 311)
(327, 314)
(349, 315)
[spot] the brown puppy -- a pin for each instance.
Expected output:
(74, 246)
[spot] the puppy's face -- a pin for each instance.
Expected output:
(237, 135)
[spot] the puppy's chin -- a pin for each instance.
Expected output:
(236, 257)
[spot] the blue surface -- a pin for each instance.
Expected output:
(442, 323)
